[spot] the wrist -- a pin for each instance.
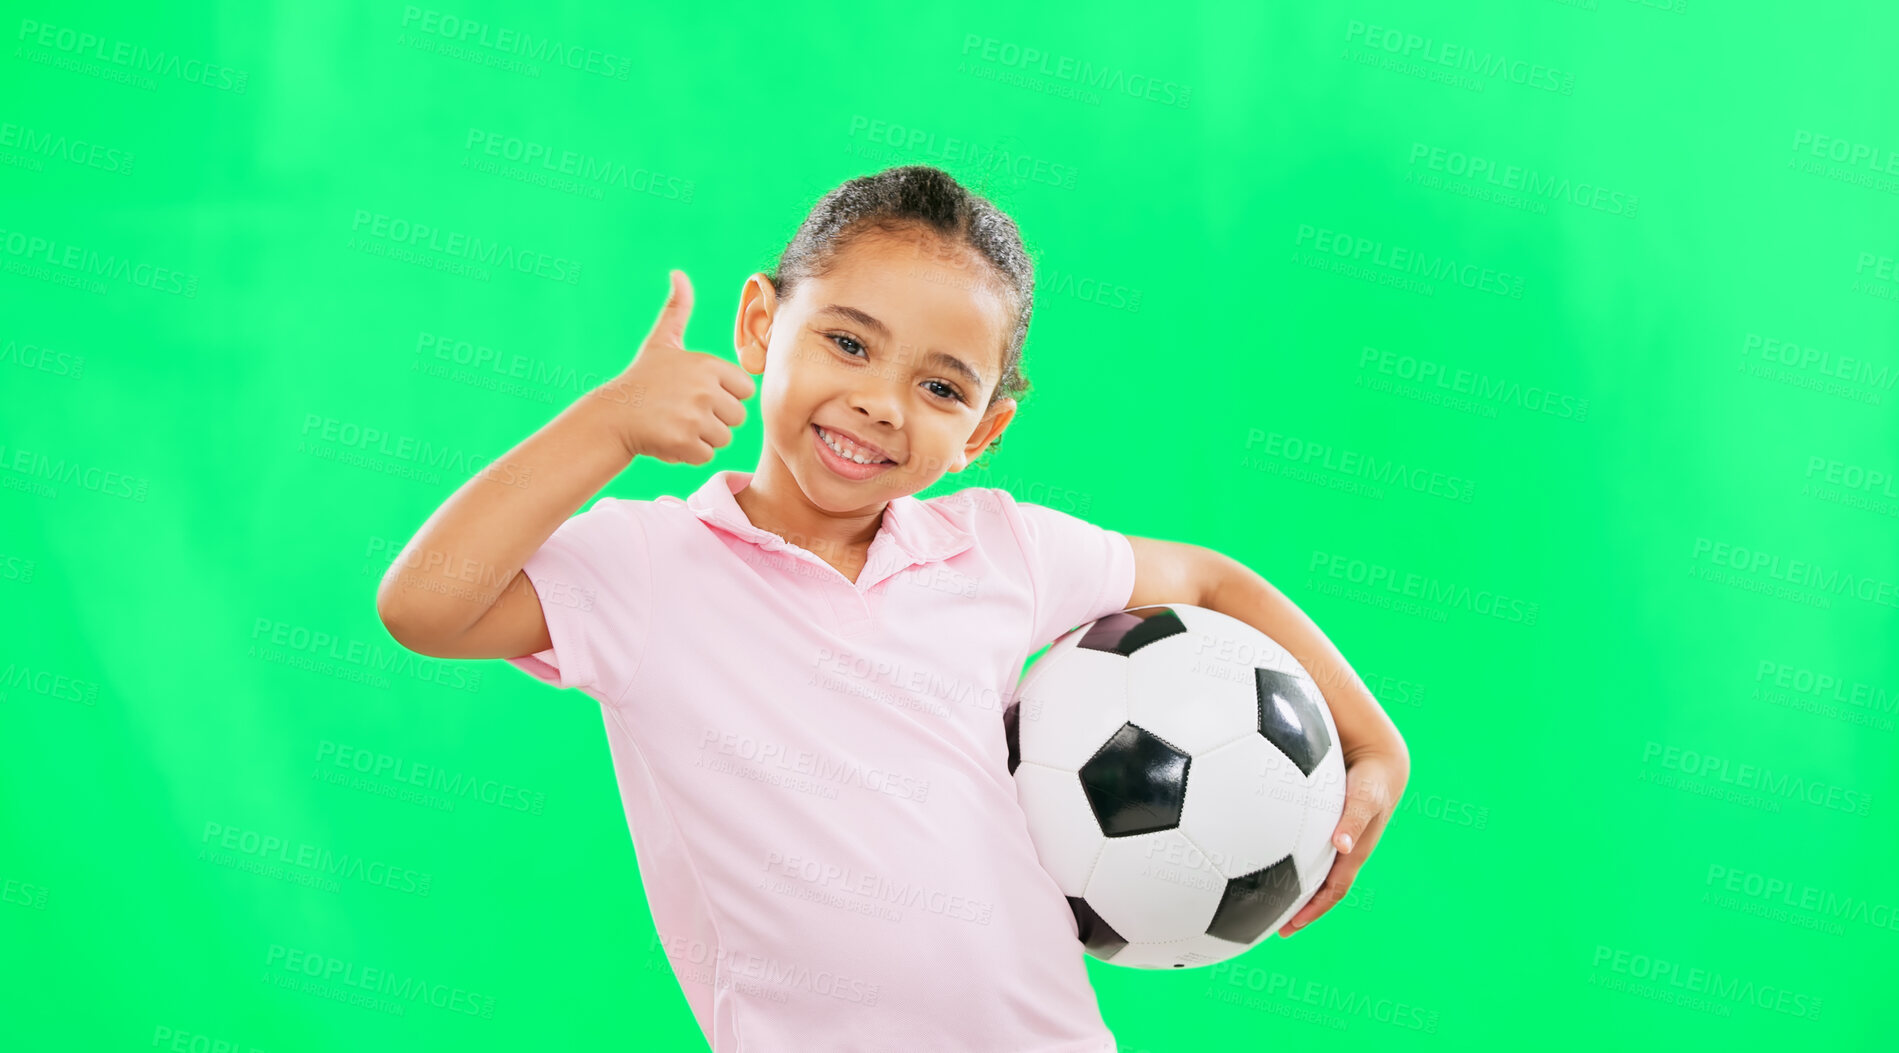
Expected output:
(613, 405)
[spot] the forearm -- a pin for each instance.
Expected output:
(1237, 591)
(464, 556)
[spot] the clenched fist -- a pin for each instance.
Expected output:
(689, 401)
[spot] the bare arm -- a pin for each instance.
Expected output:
(457, 589)
(1377, 761)
(1364, 727)
(1172, 572)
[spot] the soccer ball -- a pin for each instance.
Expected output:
(1181, 777)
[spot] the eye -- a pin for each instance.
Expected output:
(949, 390)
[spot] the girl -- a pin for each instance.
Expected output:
(802, 668)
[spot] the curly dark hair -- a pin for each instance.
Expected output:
(907, 200)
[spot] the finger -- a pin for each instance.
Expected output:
(1337, 883)
(671, 326)
(715, 433)
(728, 408)
(1362, 847)
(1343, 873)
(736, 379)
(1367, 796)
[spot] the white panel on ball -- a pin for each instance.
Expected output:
(1073, 706)
(1227, 805)
(1195, 703)
(1155, 886)
(1068, 838)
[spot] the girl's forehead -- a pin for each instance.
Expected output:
(879, 249)
(908, 268)
(912, 289)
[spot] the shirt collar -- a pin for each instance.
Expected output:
(911, 526)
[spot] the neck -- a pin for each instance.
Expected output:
(773, 501)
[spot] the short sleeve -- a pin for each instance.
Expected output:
(594, 578)
(1078, 571)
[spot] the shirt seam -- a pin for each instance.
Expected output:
(1017, 523)
(1018, 526)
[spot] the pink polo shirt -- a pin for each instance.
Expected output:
(814, 771)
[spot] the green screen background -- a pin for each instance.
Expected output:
(1611, 285)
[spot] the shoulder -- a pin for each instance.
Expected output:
(646, 509)
(992, 504)
(998, 518)
(619, 509)
(974, 508)
(609, 522)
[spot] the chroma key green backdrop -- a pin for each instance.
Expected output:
(1544, 352)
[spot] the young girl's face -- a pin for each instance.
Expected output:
(898, 347)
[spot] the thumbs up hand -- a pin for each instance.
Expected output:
(689, 400)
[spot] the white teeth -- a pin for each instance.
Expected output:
(841, 452)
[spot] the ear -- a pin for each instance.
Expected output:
(751, 331)
(992, 424)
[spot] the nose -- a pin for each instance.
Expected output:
(879, 399)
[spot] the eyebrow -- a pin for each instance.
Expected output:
(942, 358)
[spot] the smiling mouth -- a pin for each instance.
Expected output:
(849, 449)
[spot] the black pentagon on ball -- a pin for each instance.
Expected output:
(1135, 783)
(1252, 901)
(1124, 633)
(1289, 717)
(1094, 933)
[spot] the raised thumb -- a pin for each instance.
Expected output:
(672, 318)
